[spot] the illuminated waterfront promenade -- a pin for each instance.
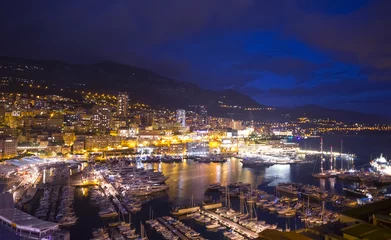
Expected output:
(312, 152)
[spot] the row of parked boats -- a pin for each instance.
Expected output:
(316, 193)
(162, 230)
(184, 229)
(244, 219)
(130, 180)
(131, 184)
(210, 159)
(289, 207)
(44, 204)
(106, 208)
(66, 215)
(146, 159)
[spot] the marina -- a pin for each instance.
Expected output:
(122, 190)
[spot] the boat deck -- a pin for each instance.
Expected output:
(229, 223)
(172, 229)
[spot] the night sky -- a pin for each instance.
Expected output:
(333, 53)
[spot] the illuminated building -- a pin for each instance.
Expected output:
(236, 125)
(101, 142)
(8, 147)
(203, 113)
(78, 146)
(122, 104)
(181, 117)
(117, 123)
(101, 118)
(282, 133)
(127, 132)
(200, 148)
(177, 149)
(2, 113)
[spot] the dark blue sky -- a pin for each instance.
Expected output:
(333, 53)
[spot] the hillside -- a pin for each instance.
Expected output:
(158, 91)
(141, 84)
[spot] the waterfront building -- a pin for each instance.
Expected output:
(177, 149)
(122, 104)
(22, 224)
(197, 148)
(282, 133)
(8, 147)
(181, 117)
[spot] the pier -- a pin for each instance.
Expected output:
(312, 152)
(172, 229)
(236, 227)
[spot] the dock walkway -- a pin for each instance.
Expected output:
(229, 223)
(172, 229)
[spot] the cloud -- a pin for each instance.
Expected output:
(360, 37)
(341, 88)
(301, 69)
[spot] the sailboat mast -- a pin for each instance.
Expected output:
(226, 196)
(341, 155)
(321, 155)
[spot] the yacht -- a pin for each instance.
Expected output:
(381, 165)
(213, 225)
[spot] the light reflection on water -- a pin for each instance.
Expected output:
(190, 179)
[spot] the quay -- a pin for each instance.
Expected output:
(312, 152)
(227, 222)
(172, 229)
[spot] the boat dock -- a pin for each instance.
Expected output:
(229, 223)
(172, 229)
(312, 152)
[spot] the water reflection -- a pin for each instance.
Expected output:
(190, 179)
(277, 174)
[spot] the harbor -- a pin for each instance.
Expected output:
(246, 201)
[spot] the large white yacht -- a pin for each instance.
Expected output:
(381, 165)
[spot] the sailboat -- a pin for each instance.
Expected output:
(143, 232)
(323, 174)
(251, 207)
(127, 230)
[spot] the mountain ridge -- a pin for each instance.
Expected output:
(158, 91)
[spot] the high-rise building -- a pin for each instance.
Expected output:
(203, 113)
(122, 104)
(181, 117)
(101, 118)
(8, 147)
